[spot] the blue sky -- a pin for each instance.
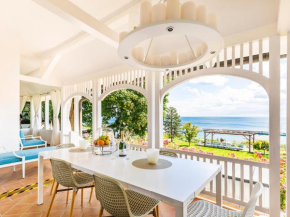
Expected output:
(225, 96)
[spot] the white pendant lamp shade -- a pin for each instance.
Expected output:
(173, 58)
(122, 35)
(182, 58)
(184, 36)
(201, 13)
(135, 53)
(165, 61)
(172, 9)
(149, 60)
(188, 11)
(190, 56)
(158, 12)
(211, 20)
(140, 54)
(145, 13)
(157, 61)
(198, 51)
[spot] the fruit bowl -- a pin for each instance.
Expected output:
(101, 146)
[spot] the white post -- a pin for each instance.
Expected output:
(288, 126)
(97, 107)
(39, 119)
(151, 109)
(158, 110)
(32, 115)
(76, 114)
(274, 123)
(46, 110)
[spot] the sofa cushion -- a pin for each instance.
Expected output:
(9, 157)
(21, 135)
(27, 143)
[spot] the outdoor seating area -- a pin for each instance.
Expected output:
(144, 108)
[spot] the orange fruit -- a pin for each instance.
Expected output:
(101, 142)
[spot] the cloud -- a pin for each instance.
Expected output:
(216, 80)
(251, 100)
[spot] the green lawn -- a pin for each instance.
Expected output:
(217, 151)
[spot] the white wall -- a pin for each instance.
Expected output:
(9, 92)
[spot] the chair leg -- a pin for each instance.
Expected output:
(52, 186)
(91, 194)
(67, 195)
(101, 212)
(82, 197)
(72, 202)
(52, 199)
(155, 212)
(157, 209)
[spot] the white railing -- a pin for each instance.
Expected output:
(135, 77)
(247, 56)
(239, 176)
(84, 87)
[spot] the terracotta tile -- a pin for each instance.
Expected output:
(32, 214)
(168, 214)
(59, 205)
(38, 208)
(54, 213)
(5, 208)
(76, 213)
(16, 215)
(18, 209)
(88, 212)
(28, 199)
(166, 207)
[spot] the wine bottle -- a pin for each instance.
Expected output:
(122, 146)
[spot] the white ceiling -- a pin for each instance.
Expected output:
(39, 30)
(30, 89)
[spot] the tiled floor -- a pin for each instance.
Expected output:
(24, 204)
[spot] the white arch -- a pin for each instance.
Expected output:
(78, 94)
(253, 76)
(121, 87)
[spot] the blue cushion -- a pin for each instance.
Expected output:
(21, 134)
(27, 143)
(9, 157)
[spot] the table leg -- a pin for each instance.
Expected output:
(219, 199)
(40, 181)
(181, 211)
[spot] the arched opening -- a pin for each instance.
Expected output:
(126, 110)
(221, 115)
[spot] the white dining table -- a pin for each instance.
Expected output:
(177, 185)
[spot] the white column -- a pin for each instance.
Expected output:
(9, 92)
(46, 112)
(151, 109)
(288, 126)
(97, 107)
(274, 123)
(158, 110)
(32, 115)
(39, 119)
(76, 114)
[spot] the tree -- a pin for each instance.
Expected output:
(87, 116)
(172, 123)
(190, 131)
(261, 145)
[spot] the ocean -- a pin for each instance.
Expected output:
(234, 123)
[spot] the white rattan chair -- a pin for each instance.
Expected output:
(120, 202)
(206, 209)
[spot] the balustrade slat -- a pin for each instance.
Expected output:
(242, 182)
(260, 180)
(233, 56)
(225, 57)
(170, 76)
(241, 56)
(251, 179)
(260, 57)
(234, 180)
(218, 61)
(175, 74)
(211, 183)
(251, 56)
(138, 77)
(226, 177)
